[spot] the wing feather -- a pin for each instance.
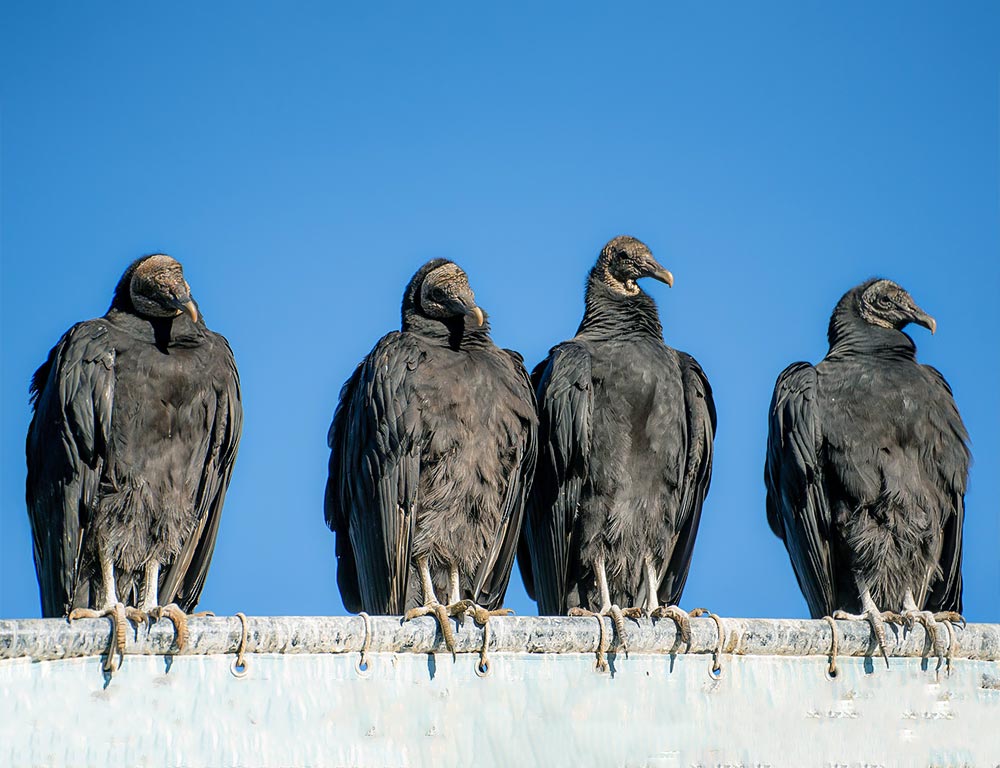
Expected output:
(564, 389)
(183, 579)
(797, 507)
(494, 572)
(701, 424)
(73, 393)
(952, 459)
(373, 478)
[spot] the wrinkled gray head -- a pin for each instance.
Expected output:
(885, 304)
(624, 260)
(445, 293)
(157, 288)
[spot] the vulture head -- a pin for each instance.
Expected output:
(885, 304)
(624, 260)
(440, 290)
(154, 286)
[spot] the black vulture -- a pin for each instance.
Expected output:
(432, 453)
(626, 426)
(137, 420)
(867, 463)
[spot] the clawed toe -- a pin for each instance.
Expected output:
(617, 616)
(116, 642)
(441, 613)
(950, 616)
(876, 621)
(481, 615)
(178, 618)
(679, 617)
(137, 616)
(928, 621)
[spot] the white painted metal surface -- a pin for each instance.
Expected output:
(775, 707)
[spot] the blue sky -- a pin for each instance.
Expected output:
(302, 160)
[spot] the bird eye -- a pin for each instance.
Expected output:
(883, 302)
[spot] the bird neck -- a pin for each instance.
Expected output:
(163, 332)
(454, 332)
(616, 315)
(849, 335)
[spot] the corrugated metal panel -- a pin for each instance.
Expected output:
(772, 706)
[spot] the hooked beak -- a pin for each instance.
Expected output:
(465, 304)
(656, 271)
(922, 318)
(185, 304)
(664, 276)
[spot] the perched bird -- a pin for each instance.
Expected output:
(626, 426)
(432, 454)
(866, 470)
(137, 419)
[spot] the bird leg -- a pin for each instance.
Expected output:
(150, 583)
(607, 607)
(654, 610)
(875, 618)
(112, 609)
(150, 610)
(456, 592)
(432, 607)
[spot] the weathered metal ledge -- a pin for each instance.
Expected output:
(53, 639)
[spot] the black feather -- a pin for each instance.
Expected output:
(432, 451)
(867, 464)
(626, 426)
(136, 425)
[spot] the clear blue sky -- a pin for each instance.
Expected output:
(303, 160)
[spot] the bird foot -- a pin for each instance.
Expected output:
(481, 615)
(442, 614)
(602, 640)
(137, 616)
(930, 625)
(119, 616)
(617, 616)
(877, 622)
(178, 618)
(950, 616)
(948, 620)
(680, 617)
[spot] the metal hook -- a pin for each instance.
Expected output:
(239, 667)
(362, 665)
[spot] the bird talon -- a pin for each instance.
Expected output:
(178, 618)
(482, 615)
(441, 614)
(137, 616)
(876, 621)
(85, 613)
(117, 612)
(952, 617)
(680, 618)
(416, 613)
(618, 619)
